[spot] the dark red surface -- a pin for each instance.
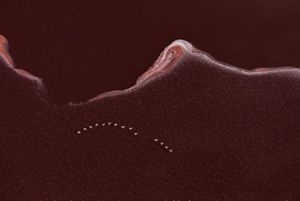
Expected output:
(231, 135)
(234, 135)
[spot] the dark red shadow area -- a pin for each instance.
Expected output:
(81, 48)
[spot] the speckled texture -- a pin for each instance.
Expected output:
(235, 137)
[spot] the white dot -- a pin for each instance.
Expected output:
(84, 129)
(155, 140)
(166, 147)
(115, 124)
(161, 143)
(109, 123)
(90, 126)
(130, 128)
(135, 133)
(171, 150)
(96, 124)
(103, 124)
(123, 126)
(78, 132)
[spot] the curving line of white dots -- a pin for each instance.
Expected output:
(131, 129)
(104, 124)
(162, 144)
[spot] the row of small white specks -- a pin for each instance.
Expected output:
(163, 145)
(85, 129)
(124, 127)
(131, 129)
(107, 124)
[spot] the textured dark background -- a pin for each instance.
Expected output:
(235, 137)
(81, 48)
